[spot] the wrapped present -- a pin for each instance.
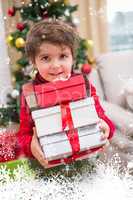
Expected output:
(53, 93)
(57, 146)
(64, 134)
(65, 118)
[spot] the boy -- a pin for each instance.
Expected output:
(51, 47)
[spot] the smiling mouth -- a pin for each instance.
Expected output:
(52, 74)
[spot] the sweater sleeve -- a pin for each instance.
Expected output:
(101, 112)
(25, 132)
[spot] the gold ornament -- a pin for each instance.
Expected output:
(16, 67)
(9, 39)
(20, 42)
(13, 80)
(66, 2)
(92, 61)
(89, 44)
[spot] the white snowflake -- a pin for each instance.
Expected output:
(105, 183)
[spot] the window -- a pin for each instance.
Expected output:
(120, 20)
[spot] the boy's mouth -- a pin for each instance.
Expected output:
(56, 74)
(62, 78)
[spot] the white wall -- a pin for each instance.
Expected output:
(5, 77)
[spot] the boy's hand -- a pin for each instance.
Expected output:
(37, 151)
(105, 129)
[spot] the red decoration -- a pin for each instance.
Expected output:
(58, 92)
(7, 147)
(86, 68)
(45, 15)
(72, 133)
(11, 11)
(20, 26)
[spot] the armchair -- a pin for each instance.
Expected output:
(113, 71)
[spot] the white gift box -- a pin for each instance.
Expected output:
(57, 145)
(54, 141)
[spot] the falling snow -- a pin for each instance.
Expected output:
(109, 181)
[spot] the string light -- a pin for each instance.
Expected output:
(42, 6)
(21, 10)
(67, 13)
(30, 4)
(5, 18)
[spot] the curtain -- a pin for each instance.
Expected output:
(5, 78)
(93, 23)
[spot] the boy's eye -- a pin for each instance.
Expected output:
(45, 58)
(62, 56)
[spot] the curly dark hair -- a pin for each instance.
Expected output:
(53, 31)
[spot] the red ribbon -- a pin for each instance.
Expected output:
(75, 156)
(72, 133)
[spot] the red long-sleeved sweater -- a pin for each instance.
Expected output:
(24, 135)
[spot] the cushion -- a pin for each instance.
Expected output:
(122, 119)
(115, 68)
(126, 95)
(95, 80)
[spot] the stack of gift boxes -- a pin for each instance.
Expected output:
(66, 120)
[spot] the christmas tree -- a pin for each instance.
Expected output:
(32, 12)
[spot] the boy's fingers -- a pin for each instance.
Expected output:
(37, 151)
(40, 157)
(105, 147)
(43, 161)
(104, 135)
(34, 131)
(105, 130)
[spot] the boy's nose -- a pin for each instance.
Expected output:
(56, 64)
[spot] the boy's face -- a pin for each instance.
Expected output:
(54, 62)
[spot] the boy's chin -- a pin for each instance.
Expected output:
(62, 78)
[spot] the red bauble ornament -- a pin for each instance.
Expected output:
(20, 26)
(45, 15)
(11, 11)
(86, 68)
